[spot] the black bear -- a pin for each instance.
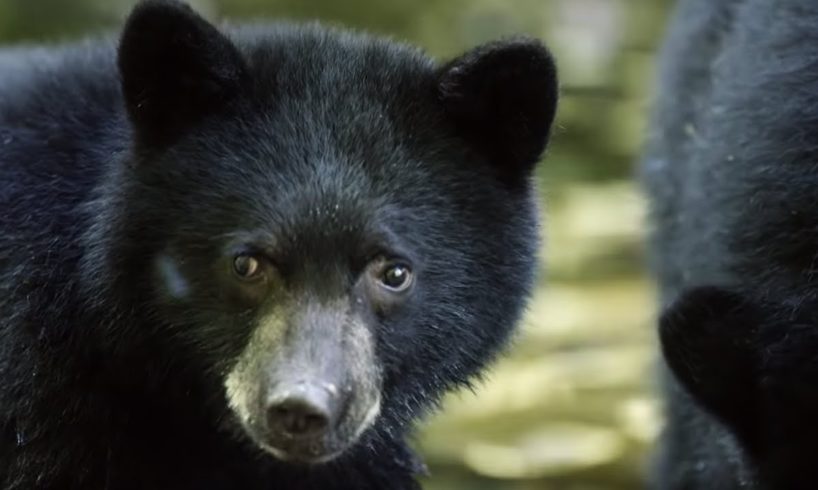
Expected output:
(751, 364)
(731, 175)
(252, 256)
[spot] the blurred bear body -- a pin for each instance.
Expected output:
(729, 169)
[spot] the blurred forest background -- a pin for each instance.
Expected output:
(573, 406)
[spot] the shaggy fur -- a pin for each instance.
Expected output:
(730, 170)
(332, 143)
(751, 365)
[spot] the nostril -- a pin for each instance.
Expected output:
(299, 415)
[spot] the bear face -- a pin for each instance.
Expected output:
(750, 363)
(311, 225)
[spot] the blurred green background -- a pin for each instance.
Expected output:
(572, 406)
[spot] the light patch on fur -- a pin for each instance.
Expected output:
(242, 384)
(175, 283)
(364, 369)
(370, 417)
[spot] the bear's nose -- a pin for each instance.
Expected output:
(303, 410)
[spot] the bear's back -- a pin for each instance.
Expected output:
(60, 120)
(730, 161)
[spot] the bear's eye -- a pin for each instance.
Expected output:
(246, 266)
(396, 277)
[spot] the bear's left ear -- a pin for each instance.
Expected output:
(710, 340)
(502, 98)
(175, 69)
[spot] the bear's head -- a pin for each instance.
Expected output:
(750, 362)
(334, 227)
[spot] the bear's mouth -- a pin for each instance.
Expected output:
(305, 452)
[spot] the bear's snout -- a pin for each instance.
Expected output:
(307, 409)
(307, 385)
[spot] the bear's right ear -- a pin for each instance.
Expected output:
(502, 98)
(710, 340)
(175, 69)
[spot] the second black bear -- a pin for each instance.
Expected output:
(252, 258)
(730, 170)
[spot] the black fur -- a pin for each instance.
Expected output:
(751, 364)
(176, 69)
(494, 94)
(330, 142)
(730, 172)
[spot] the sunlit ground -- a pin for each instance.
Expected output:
(572, 406)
